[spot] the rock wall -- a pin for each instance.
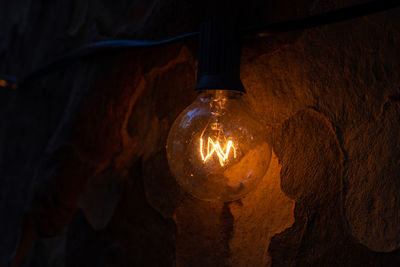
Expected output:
(83, 150)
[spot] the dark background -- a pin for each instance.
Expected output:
(82, 151)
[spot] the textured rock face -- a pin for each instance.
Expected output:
(89, 142)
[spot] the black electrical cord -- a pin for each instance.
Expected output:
(330, 17)
(88, 51)
(104, 47)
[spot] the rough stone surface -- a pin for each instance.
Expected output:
(373, 181)
(98, 201)
(330, 96)
(257, 217)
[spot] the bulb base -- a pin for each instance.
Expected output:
(219, 56)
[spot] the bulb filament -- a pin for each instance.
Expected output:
(216, 147)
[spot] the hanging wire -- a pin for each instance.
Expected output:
(92, 50)
(105, 47)
(326, 18)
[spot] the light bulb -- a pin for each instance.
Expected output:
(217, 149)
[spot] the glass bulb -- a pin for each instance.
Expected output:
(216, 148)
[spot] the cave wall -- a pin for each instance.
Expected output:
(83, 150)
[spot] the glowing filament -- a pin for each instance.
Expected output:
(216, 147)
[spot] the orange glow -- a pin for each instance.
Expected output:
(216, 147)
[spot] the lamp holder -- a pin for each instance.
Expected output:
(219, 56)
